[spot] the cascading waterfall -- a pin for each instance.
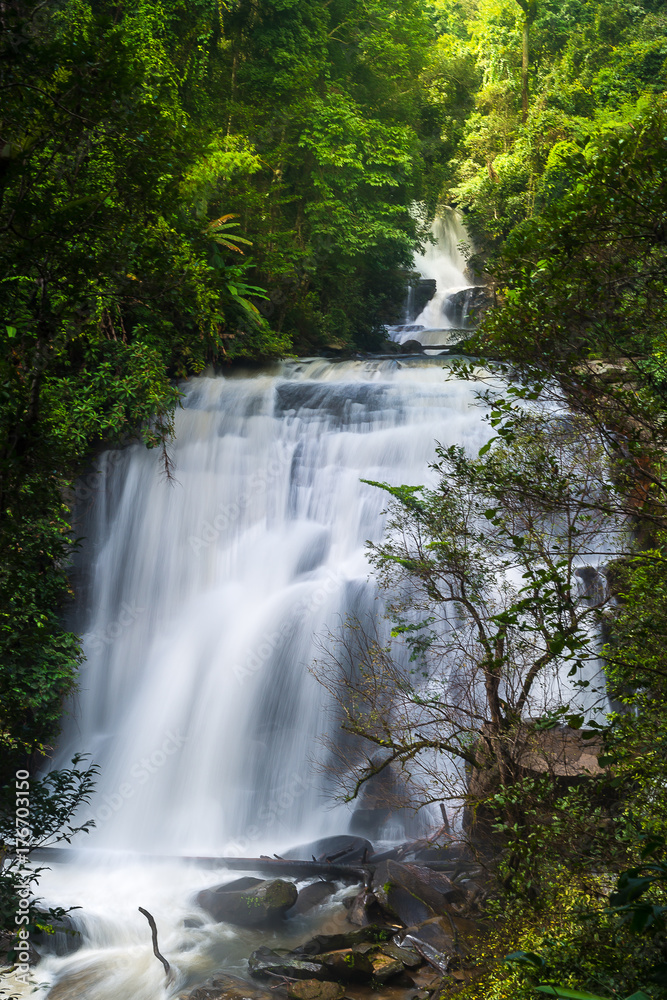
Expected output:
(206, 597)
(443, 265)
(201, 605)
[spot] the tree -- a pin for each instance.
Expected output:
(529, 8)
(490, 595)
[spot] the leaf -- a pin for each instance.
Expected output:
(526, 958)
(486, 447)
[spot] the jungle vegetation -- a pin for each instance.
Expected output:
(184, 185)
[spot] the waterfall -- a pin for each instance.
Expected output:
(204, 598)
(201, 602)
(448, 291)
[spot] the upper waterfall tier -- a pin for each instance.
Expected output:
(444, 299)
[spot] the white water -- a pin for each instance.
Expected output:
(444, 263)
(202, 603)
(206, 598)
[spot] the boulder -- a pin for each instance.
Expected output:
(65, 941)
(364, 910)
(412, 347)
(346, 965)
(266, 963)
(385, 967)
(413, 894)
(344, 850)
(407, 956)
(442, 940)
(435, 941)
(80, 983)
(253, 906)
(374, 934)
(311, 896)
(222, 986)
(314, 989)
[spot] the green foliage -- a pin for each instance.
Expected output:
(50, 805)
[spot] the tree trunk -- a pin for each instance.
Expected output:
(524, 69)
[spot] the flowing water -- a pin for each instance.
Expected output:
(444, 263)
(202, 605)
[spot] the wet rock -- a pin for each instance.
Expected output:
(385, 967)
(390, 347)
(343, 850)
(413, 894)
(65, 941)
(374, 933)
(262, 903)
(346, 965)
(314, 989)
(435, 941)
(310, 896)
(266, 963)
(407, 956)
(76, 985)
(222, 986)
(412, 347)
(364, 910)
(240, 884)
(443, 940)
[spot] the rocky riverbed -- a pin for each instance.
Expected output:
(408, 919)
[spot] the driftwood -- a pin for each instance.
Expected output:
(271, 867)
(156, 950)
(276, 867)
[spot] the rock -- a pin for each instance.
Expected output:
(265, 963)
(422, 294)
(390, 347)
(442, 939)
(407, 956)
(385, 967)
(78, 984)
(254, 906)
(413, 894)
(374, 933)
(364, 910)
(347, 964)
(311, 896)
(313, 989)
(240, 884)
(344, 850)
(66, 940)
(435, 941)
(412, 347)
(222, 986)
